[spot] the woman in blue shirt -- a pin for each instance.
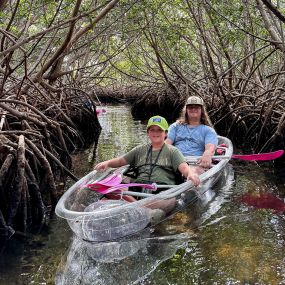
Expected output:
(194, 135)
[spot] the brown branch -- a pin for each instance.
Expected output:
(46, 166)
(277, 42)
(19, 181)
(28, 39)
(69, 173)
(21, 115)
(3, 4)
(67, 45)
(274, 10)
(35, 192)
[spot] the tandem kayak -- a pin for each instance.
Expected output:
(94, 218)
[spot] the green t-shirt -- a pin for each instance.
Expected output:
(163, 168)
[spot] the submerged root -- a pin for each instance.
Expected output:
(36, 142)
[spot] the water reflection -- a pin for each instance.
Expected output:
(120, 133)
(246, 246)
(133, 260)
(215, 198)
(196, 215)
(117, 262)
(263, 201)
(227, 243)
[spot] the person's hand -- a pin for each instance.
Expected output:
(194, 178)
(205, 161)
(101, 166)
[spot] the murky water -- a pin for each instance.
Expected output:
(221, 242)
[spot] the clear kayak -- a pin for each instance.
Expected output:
(92, 217)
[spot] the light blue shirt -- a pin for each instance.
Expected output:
(191, 140)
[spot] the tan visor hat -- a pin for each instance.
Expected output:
(195, 100)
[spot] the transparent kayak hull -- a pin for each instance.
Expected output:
(95, 219)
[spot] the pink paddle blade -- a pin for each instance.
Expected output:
(106, 183)
(260, 156)
(106, 190)
(111, 180)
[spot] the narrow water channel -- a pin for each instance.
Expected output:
(220, 242)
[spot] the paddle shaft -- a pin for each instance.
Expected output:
(193, 159)
(249, 157)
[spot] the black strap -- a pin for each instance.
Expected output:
(149, 157)
(133, 171)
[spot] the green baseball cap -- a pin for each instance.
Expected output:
(158, 121)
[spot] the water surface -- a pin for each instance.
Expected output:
(221, 242)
